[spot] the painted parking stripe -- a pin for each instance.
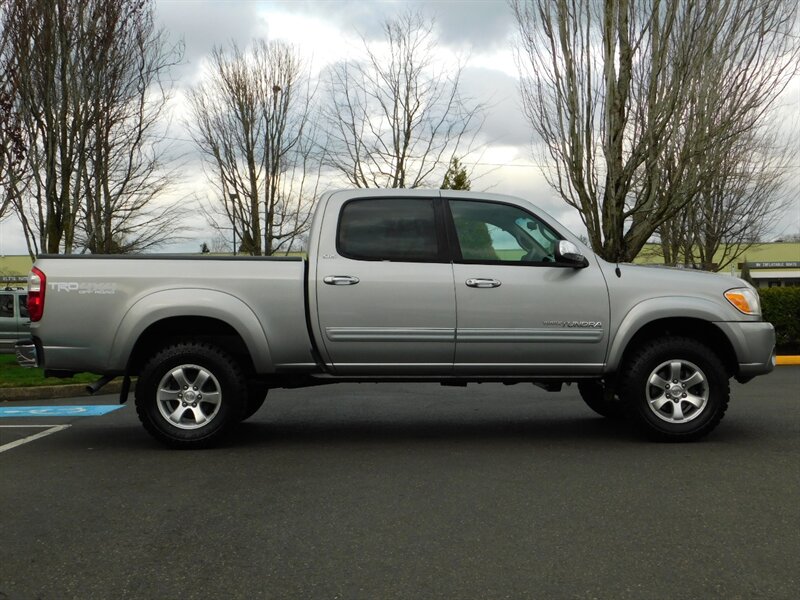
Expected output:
(91, 410)
(48, 430)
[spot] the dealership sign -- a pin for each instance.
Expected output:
(774, 265)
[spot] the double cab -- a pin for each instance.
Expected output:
(401, 285)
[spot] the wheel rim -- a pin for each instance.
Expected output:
(189, 397)
(677, 391)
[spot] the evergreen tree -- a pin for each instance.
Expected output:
(456, 177)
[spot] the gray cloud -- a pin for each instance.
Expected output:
(505, 122)
(480, 24)
(203, 24)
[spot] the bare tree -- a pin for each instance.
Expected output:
(252, 119)
(89, 76)
(621, 94)
(734, 208)
(395, 119)
(125, 171)
(219, 245)
(12, 148)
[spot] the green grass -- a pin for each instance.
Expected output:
(12, 375)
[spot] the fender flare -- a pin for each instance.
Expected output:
(655, 309)
(190, 302)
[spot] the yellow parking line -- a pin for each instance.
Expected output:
(788, 360)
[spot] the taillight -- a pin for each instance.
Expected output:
(37, 283)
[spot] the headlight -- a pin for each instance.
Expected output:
(744, 300)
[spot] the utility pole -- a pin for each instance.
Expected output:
(234, 196)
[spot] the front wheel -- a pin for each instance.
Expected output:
(675, 389)
(190, 394)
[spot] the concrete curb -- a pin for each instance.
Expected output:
(51, 392)
(787, 360)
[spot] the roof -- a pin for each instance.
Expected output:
(777, 252)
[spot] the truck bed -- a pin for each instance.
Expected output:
(126, 294)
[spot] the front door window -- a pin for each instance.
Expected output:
(490, 232)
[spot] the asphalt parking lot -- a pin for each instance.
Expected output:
(405, 491)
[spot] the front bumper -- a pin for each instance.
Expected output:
(27, 353)
(754, 344)
(750, 370)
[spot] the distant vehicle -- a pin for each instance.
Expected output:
(14, 320)
(401, 285)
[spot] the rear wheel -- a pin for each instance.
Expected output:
(190, 394)
(676, 389)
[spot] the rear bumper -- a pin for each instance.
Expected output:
(27, 353)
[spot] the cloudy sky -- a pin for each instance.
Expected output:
(327, 31)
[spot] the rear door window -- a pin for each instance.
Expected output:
(390, 229)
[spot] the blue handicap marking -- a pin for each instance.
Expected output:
(91, 410)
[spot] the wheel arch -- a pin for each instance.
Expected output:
(206, 315)
(197, 328)
(699, 329)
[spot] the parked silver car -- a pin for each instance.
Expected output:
(14, 320)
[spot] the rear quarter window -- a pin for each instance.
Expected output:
(6, 305)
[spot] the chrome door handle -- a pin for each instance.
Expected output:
(341, 280)
(478, 282)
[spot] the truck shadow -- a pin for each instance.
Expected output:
(269, 433)
(456, 430)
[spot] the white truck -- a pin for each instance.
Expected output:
(400, 285)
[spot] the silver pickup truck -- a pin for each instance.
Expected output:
(401, 285)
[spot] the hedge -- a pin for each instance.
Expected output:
(781, 307)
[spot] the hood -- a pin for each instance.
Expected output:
(668, 276)
(639, 283)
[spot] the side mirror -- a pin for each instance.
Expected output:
(568, 255)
